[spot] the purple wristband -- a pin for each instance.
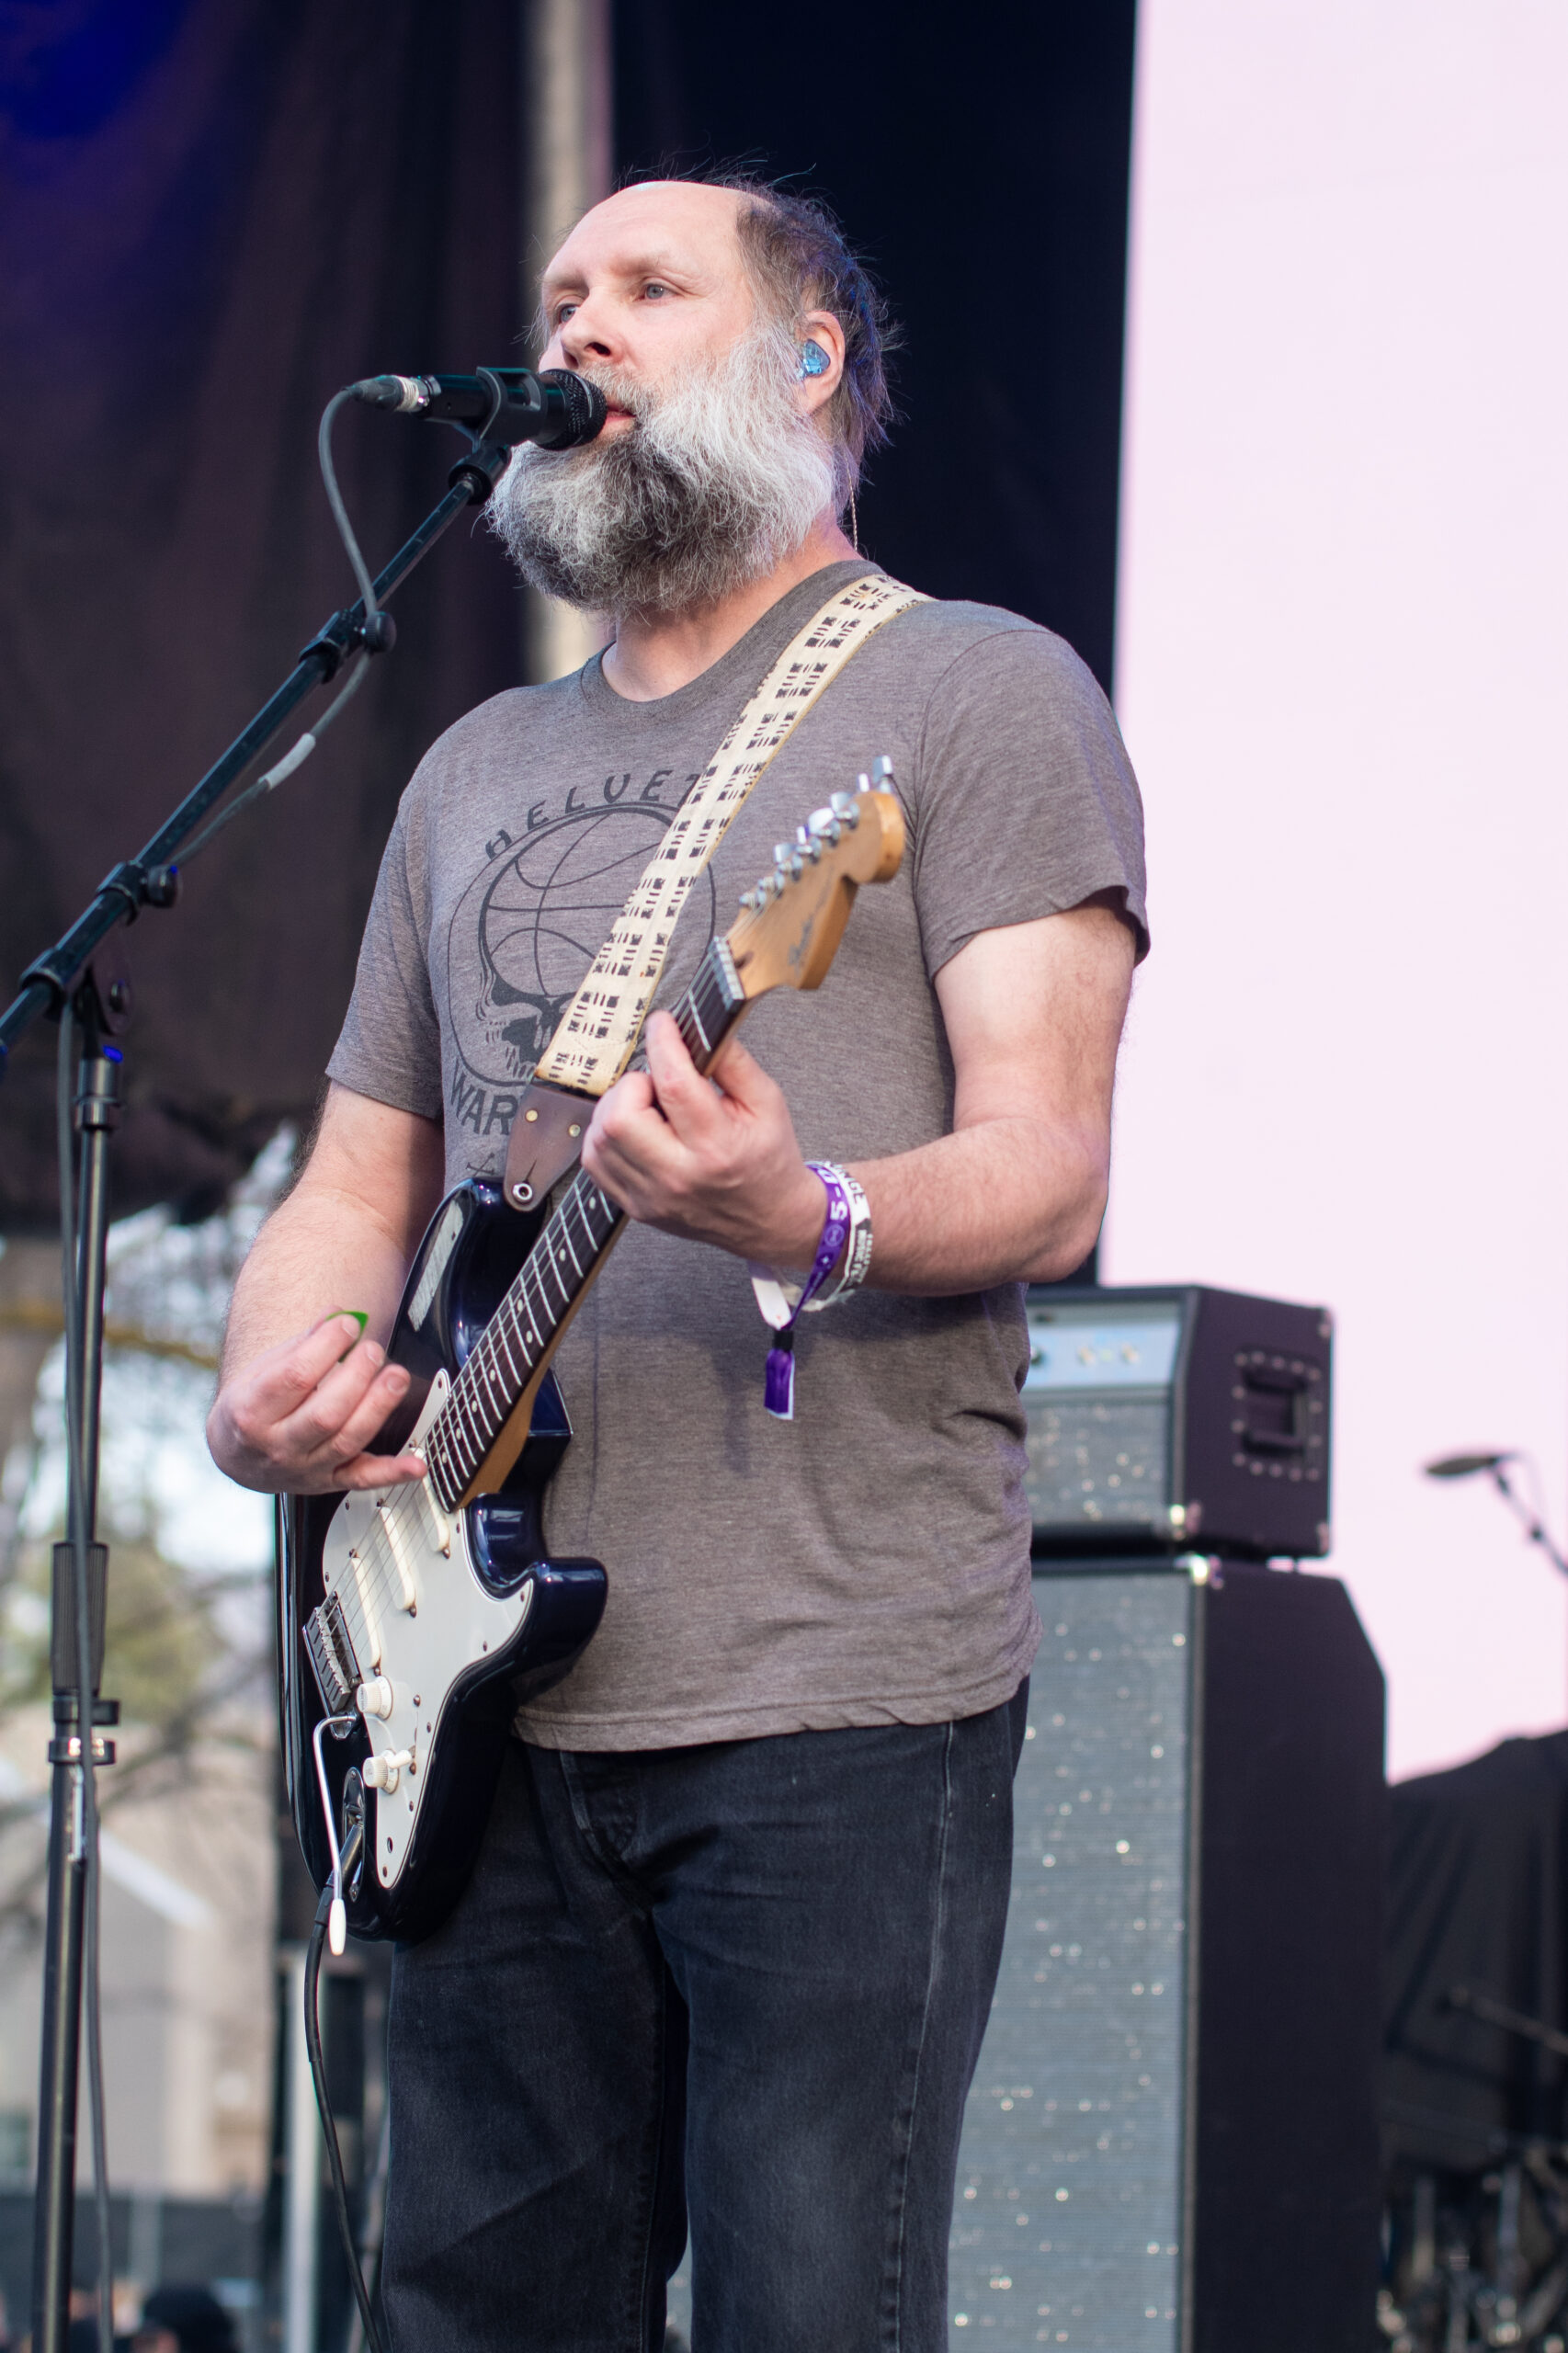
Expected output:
(778, 1384)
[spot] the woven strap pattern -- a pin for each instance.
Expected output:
(596, 1036)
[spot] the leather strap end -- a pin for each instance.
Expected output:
(546, 1141)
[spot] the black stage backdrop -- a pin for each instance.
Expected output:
(211, 216)
(1478, 1898)
(981, 164)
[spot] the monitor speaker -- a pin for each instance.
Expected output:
(1161, 1418)
(1171, 2145)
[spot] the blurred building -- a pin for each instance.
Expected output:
(189, 1873)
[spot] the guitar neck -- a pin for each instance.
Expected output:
(522, 1335)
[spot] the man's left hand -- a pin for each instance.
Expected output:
(711, 1158)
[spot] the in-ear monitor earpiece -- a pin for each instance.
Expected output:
(814, 361)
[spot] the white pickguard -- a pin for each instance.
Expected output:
(419, 1617)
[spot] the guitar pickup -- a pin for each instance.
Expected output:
(396, 1540)
(439, 1529)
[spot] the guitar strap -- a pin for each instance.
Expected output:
(596, 1036)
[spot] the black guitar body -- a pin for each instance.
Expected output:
(415, 1622)
(474, 1249)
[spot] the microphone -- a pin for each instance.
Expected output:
(555, 411)
(1464, 1466)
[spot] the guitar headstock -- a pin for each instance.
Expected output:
(793, 919)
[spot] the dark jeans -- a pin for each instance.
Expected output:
(746, 1981)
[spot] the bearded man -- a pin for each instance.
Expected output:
(729, 1949)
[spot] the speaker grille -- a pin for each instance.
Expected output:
(1104, 1462)
(1068, 2224)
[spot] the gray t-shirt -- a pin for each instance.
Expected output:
(867, 1562)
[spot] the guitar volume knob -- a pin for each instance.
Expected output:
(384, 1772)
(375, 1698)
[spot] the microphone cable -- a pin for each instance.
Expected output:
(335, 499)
(378, 633)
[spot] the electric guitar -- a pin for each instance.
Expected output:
(412, 1620)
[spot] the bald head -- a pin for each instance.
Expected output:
(696, 217)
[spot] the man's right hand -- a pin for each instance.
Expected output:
(297, 1419)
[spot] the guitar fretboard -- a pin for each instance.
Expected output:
(524, 1329)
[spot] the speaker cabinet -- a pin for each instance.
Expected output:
(1171, 2145)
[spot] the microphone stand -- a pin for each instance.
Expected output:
(63, 985)
(1535, 1528)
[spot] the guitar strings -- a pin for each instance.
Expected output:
(377, 1577)
(366, 1595)
(447, 1430)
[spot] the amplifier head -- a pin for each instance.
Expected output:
(1174, 1418)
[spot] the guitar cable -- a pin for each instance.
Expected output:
(352, 1848)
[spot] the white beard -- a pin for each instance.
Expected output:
(720, 479)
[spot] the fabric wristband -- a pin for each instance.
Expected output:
(858, 1256)
(847, 1229)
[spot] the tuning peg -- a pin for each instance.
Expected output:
(881, 773)
(826, 827)
(810, 844)
(846, 809)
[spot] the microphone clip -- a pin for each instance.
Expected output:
(378, 633)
